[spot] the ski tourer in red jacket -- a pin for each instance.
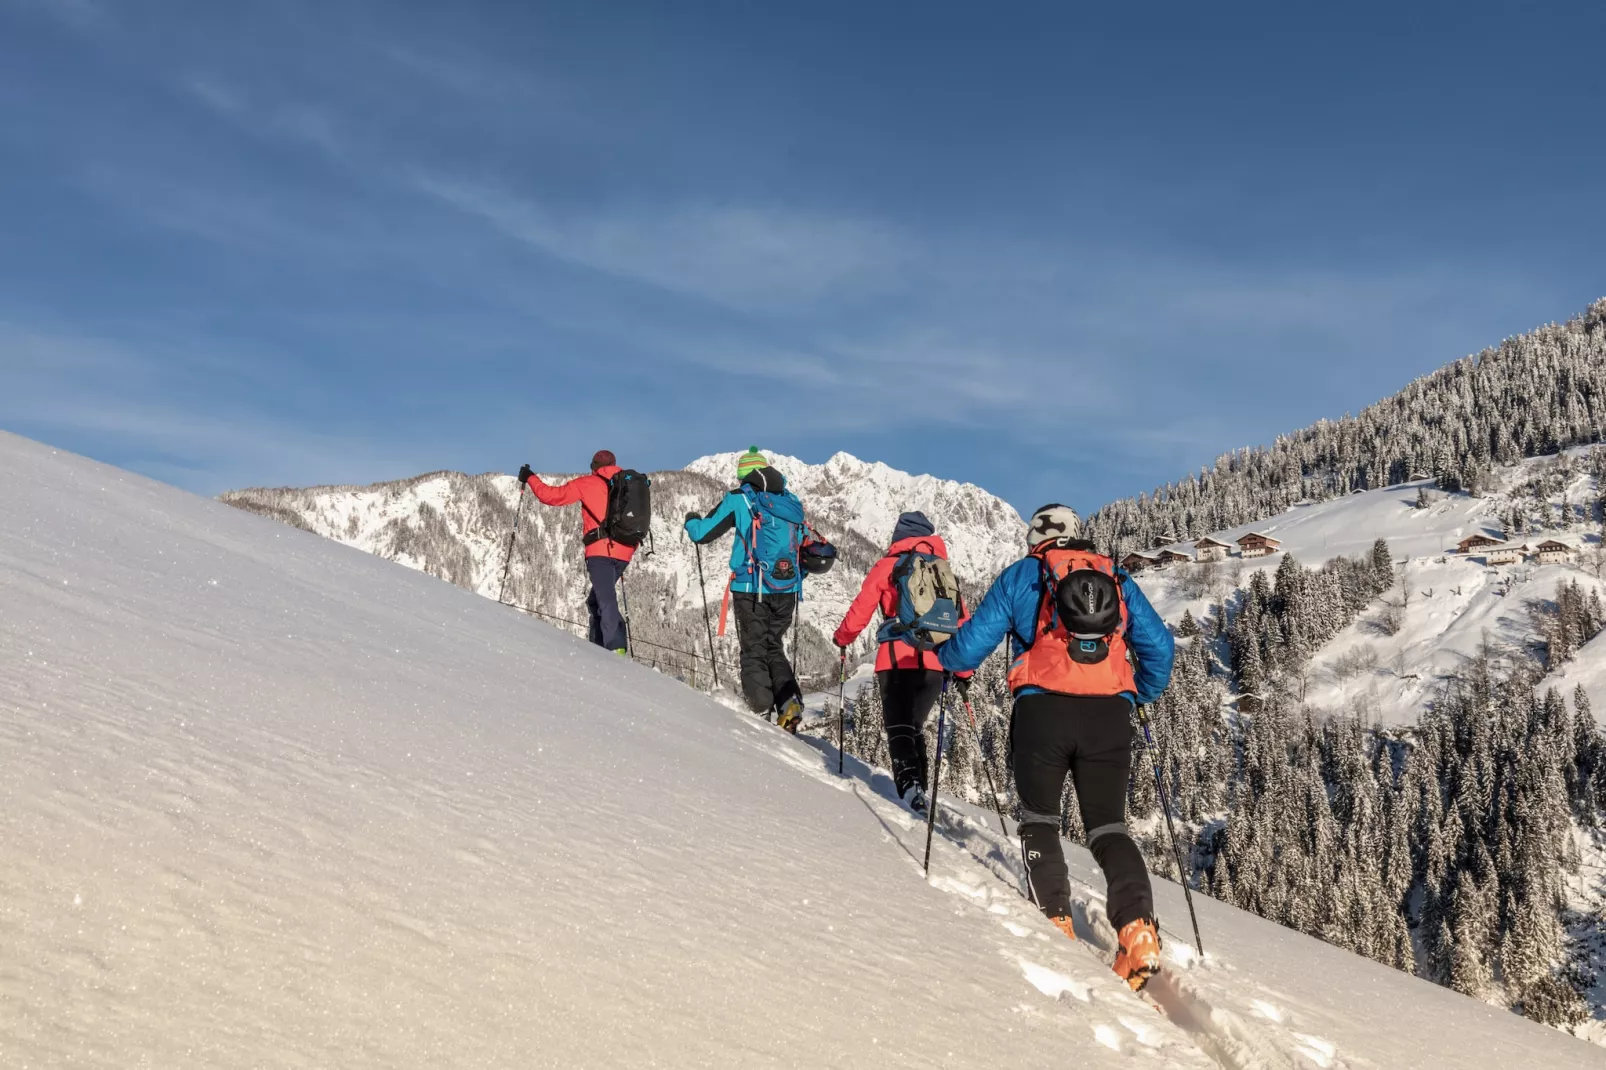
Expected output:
(879, 592)
(591, 491)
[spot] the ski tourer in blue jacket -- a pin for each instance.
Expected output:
(1061, 731)
(735, 514)
(1010, 611)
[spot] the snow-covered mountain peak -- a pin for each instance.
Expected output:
(456, 527)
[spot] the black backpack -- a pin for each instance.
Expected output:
(629, 518)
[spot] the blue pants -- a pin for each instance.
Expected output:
(602, 605)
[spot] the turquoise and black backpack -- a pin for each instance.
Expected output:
(776, 540)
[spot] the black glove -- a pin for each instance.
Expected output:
(524, 474)
(962, 684)
(693, 516)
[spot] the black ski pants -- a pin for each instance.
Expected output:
(907, 696)
(607, 624)
(1091, 739)
(761, 626)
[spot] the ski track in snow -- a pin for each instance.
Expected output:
(1210, 1015)
(272, 802)
(973, 864)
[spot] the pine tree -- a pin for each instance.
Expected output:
(1382, 565)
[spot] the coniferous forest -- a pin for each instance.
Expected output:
(1531, 395)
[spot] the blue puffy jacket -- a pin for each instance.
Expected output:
(735, 514)
(1011, 607)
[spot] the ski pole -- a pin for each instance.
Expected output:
(936, 777)
(1165, 806)
(987, 767)
(707, 622)
(797, 634)
(517, 515)
(841, 712)
(624, 606)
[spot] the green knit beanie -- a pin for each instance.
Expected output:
(750, 462)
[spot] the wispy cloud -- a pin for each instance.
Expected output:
(747, 258)
(477, 77)
(75, 14)
(215, 94)
(68, 387)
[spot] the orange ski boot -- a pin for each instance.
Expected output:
(1139, 958)
(1064, 925)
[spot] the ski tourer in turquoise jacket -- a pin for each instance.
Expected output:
(734, 513)
(1010, 610)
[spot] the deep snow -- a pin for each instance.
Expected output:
(271, 801)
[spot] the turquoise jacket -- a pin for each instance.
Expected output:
(734, 513)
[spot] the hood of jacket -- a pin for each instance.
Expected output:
(766, 479)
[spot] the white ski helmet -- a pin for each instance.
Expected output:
(1053, 522)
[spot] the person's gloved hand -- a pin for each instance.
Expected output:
(524, 474)
(962, 683)
(692, 516)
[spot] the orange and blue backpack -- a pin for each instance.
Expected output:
(1079, 646)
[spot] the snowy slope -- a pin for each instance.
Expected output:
(1587, 669)
(456, 527)
(1455, 603)
(271, 802)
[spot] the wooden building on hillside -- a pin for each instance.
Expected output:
(1509, 554)
(1554, 552)
(1255, 544)
(1173, 557)
(1476, 542)
(1136, 562)
(1208, 549)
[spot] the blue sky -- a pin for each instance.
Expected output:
(1061, 252)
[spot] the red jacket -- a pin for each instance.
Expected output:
(592, 493)
(879, 592)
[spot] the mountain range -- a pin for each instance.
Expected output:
(457, 527)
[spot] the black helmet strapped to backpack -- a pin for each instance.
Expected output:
(1089, 606)
(1089, 603)
(817, 557)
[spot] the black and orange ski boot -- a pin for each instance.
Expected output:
(1139, 958)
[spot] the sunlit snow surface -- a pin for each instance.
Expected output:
(269, 801)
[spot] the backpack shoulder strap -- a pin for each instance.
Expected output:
(607, 487)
